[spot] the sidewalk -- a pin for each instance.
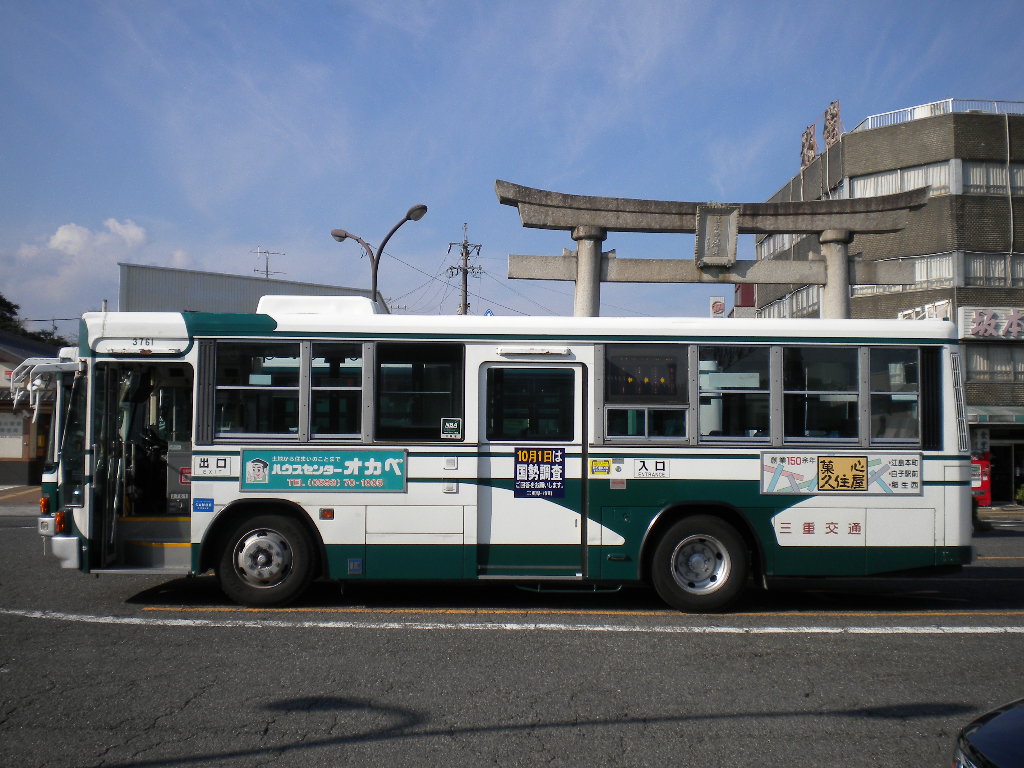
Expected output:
(19, 500)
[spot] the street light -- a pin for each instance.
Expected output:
(415, 213)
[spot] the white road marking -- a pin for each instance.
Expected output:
(510, 626)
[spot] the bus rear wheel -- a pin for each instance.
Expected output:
(266, 561)
(700, 565)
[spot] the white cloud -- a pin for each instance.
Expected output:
(74, 271)
(75, 240)
(180, 260)
(127, 230)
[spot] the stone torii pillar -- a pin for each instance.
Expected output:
(590, 219)
(836, 292)
(587, 298)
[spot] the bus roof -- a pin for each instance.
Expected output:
(310, 316)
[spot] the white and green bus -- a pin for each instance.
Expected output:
(316, 439)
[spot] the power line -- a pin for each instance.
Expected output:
(517, 293)
(474, 295)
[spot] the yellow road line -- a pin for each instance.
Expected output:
(31, 493)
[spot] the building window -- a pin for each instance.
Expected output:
(985, 269)
(772, 245)
(1017, 270)
(982, 178)
(1002, 363)
(803, 302)
(934, 175)
(934, 271)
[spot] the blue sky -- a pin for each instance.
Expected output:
(189, 134)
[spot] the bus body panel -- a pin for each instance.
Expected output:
(478, 500)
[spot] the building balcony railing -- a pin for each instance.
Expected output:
(944, 107)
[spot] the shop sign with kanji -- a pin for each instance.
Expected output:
(992, 323)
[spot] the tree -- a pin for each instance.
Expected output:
(12, 323)
(9, 316)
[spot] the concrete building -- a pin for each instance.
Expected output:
(966, 244)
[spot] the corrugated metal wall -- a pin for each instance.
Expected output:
(163, 289)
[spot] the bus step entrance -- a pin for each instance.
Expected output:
(155, 542)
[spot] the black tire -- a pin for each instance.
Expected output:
(267, 561)
(700, 565)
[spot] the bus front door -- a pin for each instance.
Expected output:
(531, 520)
(141, 441)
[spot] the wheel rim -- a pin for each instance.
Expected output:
(263, 558)
(700, 564)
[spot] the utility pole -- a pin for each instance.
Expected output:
(464, 268)
(266, 262)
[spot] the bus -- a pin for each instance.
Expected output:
(39, 383)
(318, 439)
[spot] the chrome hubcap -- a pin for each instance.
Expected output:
(700, 564)
(263, 558)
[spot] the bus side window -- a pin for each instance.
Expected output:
(734, 384)
(821, 386)
(895, 385)
(645, 391)
(336, 396)
(418, 385)
(257, 388)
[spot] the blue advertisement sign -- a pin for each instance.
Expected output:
(540, 473)
(327, 470)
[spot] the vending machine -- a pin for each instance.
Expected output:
(981, 478)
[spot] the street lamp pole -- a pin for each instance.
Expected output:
(415, 213)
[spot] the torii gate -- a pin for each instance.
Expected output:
(590, 219)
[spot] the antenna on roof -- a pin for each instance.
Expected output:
(266, 272)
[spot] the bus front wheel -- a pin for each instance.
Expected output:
(266, 561)
(700, 565)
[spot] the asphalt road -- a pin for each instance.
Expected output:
(151, 671)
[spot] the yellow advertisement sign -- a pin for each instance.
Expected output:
(842, 473)
(860, 474)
